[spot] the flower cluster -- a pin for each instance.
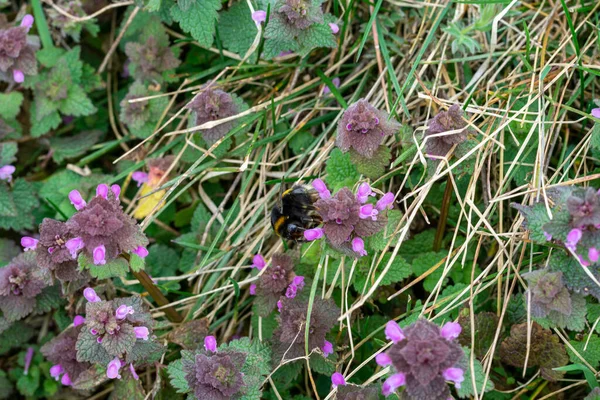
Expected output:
(213, 374)
(65, 26)
(62, 353)
(116, 333)
(438, 142)
(289, 339)
(363, 128)
(212, 105)
(275, 281)
(141, 116)
(17, 50)
(148, 60)
(424, 358)
(548, 293)
(348, 218)
(20, 284)
(298, 15)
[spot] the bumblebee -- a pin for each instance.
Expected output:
(295, 212)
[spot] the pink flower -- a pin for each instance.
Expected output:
(140, 177)
(321, 188)
(28, 358)
(313, 234)
(90, 295)
(583, 261)
(74, 245)
(363, 192)
(116, 189)
(78, 320)
(455, 375)
(122, 312)
(141, 332)
(65, 380)
(99, 255)
(279, 305)
(387, 201)
(253, 289)
(210, 344)
(383, 360)
(336, 82)
(358, 245)
(393, 332)
(56, 371)
(291, 291)
(573, 237)
(6, 172)
(451, 330)
(259, 16)
(593, 254)
(133, 373)
(77, 200)
(141, 252)
(327, 348)
(368, 211)
(298, 281)
(112, 369)
(102, 190)
(258, 262)
(29, 243)
(27, 22)
(337, 379)
(18, 76)
(596, 112)
(334, 28)
(392, 383)
(548, 236)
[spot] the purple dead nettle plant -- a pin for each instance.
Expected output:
(445, 121)
(212, 105)
(149, 59)
(116, 333)
(423, 357)
(17, 50)
(348, 218)
(275, 281)
(20, 284)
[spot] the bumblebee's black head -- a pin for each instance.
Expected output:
(295, 213)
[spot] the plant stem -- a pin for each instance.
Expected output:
(157, 295)
(441, 228)
(41, 24)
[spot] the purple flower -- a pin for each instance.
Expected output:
(116, 189)
(253, 289)
(133, 373)
(368, 211)
(596, 113)
(327, 348)
(393, 332)
(56, 371)
(212, 105)
(66, 380)
(298, 15)
(102, 191)
(291, 291)
(547, 236)
(455, 375)
(123, 311)
(62, 353)
(298, 281)
(74, 245)
(313, 234)
(593, 254)
(573, 237)
(99, 255)
(386, 201)
(392, 383)
(78, 320)
(17, 51)
(445, 121)
(451, 330)
(141, 332)
(19, 286)
(29, 243)
(258, 262)
(334, 28)
(339, 213)
(210, 344)
(6, 172)
(18, 76)
(363, 192)
(336, 82)
(140, 177)
(141, 252)
(77, 200)
(363, 128)
(279, 305)
(358, 246)
(382, 359)
(321, 188)
(27, 22)
(259, 16)
(275, 281)
(54, 253)
(337, 379)
(90, 295)
(112, 369)
(28, 358)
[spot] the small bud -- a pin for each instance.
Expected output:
(548, 236)
(596, 112)
(258, 262)
(387, 201)
(210, 344)
(56, 371)
(78, 320)
(259, 16)
(99, 338)
(102, 190)
(327, 348)
(321, 188)
(74, 245)
(116, 189)
(18, 76)
(141, 332)
(451, 330)
(28, 358)
(334, 28)
(358, 245)
(392, 383)
(393, 332)
(133, 373)
(313, 234)
(140, 177)
(99, 255)
(6, 172)
(337, 379)
(77, 200)
(65, 380)
(455, 375)
(383, 360)
(90, 295)
(253, 289)
(112, 369)
(141, 252)
(93, 332)
(28, 243)
(27, 22)
(363, 192)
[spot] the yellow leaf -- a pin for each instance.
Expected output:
(147, 204)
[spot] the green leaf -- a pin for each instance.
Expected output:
(88, 349)
(49, 56)
(49, 299)
(237, 30)
(8, 250)
(424, 262)
(145, 351)
(380, 239)
(256, 367)
(340, 171)
(318, 35)
(8, 151)
(574, 321)
(15, 335)
(77, 103)
(536, 217)
(113, 268)
(45, 124)
(136, 263)
(128, 388)
(466, 390)
(28, 384)
(119, 343)
(591, 354)
(69, 147)
(372, 167)
(10, 104)
(24, 200)
(199, 19)
(177, 377)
